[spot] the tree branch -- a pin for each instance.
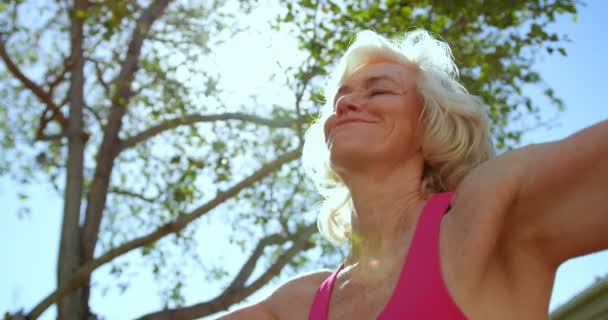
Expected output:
(237, 291)
(241, 277)
(95, 115)
(27, 82)
(84, 272)
(61, 77)
(132, 194)
(43, 96)
(195, 118)
(299, 94)
(57, 116)
(15, 316)
(99, 74)
(286, 204)
(51, 137)
(108, 149)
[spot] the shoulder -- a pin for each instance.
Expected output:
(288, 301)
(295, 296)
(303, 284)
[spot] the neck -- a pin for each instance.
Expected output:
(386, 206)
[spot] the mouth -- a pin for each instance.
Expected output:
(344, 123)
(349, 121)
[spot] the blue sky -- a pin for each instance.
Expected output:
(29, 245)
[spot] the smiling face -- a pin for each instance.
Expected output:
(376, 116)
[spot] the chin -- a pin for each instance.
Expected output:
(347, 155)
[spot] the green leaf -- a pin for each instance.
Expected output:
(80, 14)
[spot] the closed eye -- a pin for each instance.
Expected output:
(379, 92)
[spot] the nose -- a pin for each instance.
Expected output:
(347, 103)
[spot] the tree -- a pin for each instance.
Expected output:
(111, 111)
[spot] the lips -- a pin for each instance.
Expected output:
(351, 120)
(342, 122)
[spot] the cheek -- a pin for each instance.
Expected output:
(416, 129)
(412, 112)
(406, 125)
(329, 122)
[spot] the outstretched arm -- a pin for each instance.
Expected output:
(560, 196)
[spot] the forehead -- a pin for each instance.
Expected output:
(398, 72)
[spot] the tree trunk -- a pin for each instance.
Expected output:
(74, 305)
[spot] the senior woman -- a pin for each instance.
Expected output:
(438, 227)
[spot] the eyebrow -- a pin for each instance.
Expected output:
(366, 83)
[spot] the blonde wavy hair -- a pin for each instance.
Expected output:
(456, 127)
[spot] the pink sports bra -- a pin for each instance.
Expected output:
(420, 292)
